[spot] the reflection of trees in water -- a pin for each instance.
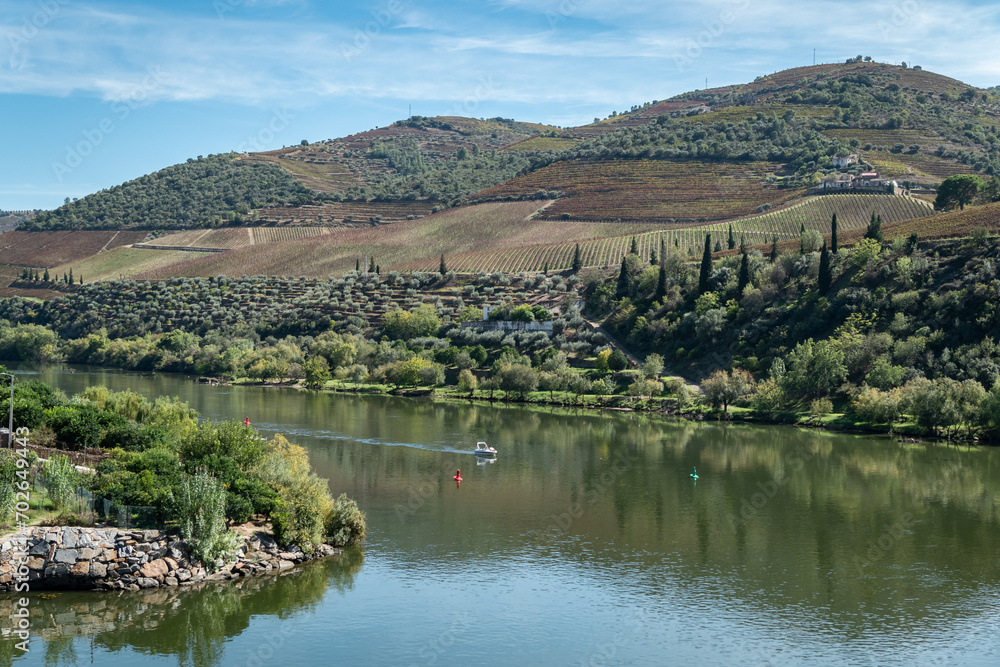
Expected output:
(193, 625)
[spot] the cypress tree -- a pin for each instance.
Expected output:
(652, 257)
(825, 275)
(718, 246)
(546, 269)
(81, 280)
(833, 234)
(744, 274)
(623, 277)
(577, 260)
(875, 228)
(442, 269)
(371, 264)
(71, 276)
(731, 241)
(634, 250)
(663, 250)
(357, 265)
(706, 265)
(774, 250)
(46, 278)
(743, 245)
(661, 283)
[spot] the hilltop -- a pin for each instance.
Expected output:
(782, 129)
(747, 157)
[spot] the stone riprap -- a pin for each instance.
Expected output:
(69, 558)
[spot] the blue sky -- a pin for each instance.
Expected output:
(93, 92)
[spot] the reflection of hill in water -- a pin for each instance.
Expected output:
(192, 624)
(783, 517)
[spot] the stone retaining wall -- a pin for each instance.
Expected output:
(65, 558)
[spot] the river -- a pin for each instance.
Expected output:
(586, 542)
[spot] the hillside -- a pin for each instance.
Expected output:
(785, 127)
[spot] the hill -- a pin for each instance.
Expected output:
(913, 124)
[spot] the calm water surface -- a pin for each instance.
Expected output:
(586, 542)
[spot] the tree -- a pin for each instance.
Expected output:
(731, 240)
(874, 230)
(744, 278)
(815, 369)
(833, 235)
(617, 361)
(317, 371)
(46, 276)
(602, 362)
(706, 265)
(577, 260)
(467, 382)
(624, 277)
(634, 248)
(825, 274)
(357, 265)
(960, 189)
(722, 388)
(661, 283)
(442, 269)
(652, 366)
(774, 250)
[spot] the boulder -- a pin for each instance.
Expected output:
(155, 568)
(66, 556)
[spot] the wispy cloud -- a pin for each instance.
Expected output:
(600, 49)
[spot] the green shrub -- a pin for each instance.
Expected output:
(8, 478)
(345, 523)
(61, 479)
(298, 514)
(200, 509)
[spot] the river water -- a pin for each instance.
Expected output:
(586, 542)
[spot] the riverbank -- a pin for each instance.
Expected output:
(667, 406)
(104, 559)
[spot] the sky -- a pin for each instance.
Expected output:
(96, 92)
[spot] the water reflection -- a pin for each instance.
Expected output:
(850, 544)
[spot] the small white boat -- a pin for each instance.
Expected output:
(484, 450)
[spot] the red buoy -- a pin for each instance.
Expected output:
(458, 476)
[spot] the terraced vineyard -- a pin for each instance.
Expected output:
(50, 249)
(908, 165)
(232, 238)
(649, 189)
(853, 212)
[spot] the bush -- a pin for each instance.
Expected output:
(200, 510)
(821, 406)
(61, 479)
(345, 523)
(617, 361)
(299, 513)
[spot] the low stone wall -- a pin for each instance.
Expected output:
(112, 559)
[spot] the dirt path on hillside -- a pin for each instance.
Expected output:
(636, 361)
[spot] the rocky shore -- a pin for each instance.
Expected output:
(67, 558)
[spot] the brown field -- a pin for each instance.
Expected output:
(48, 249)
(654, 190)
(943, 226)
(337, 212)
(852, 210)
(451, 232)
